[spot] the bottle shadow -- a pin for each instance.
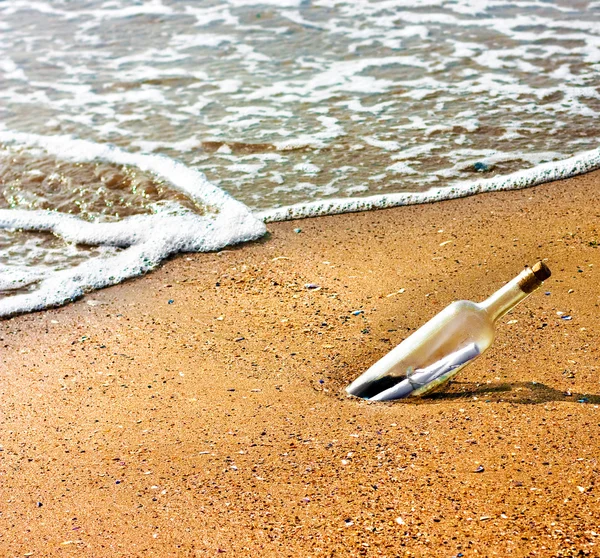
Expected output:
(518, 392)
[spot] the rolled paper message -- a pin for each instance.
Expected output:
(421, 380)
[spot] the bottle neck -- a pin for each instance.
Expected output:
(506, 298)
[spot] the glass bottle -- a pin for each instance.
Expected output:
(445, 344)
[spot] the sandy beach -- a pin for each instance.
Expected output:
(200, 410)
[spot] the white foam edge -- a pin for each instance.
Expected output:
(547, 172)
(147, 239)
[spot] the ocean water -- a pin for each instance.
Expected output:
(133, 130)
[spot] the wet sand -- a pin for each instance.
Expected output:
(200, 410)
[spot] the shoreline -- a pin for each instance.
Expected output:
(233, 222)
(200, 408)
(582, 163)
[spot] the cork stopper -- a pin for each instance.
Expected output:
(541, 271)
(531, 278)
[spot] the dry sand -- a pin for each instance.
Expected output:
(200, 409)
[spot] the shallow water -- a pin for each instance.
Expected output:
(287, 102)
(95, 191)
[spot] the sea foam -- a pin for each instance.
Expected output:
(546, 172)
(146, 239)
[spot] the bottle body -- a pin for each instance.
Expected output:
(445, 344)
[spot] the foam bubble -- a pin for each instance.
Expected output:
(277, 3)
(401, 168)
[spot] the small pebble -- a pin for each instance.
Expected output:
(547, 293)
(312, 286)
(566, 318)
(480, 166)
(118, 482)
(297, 231)
(582, 400)
(357, 312)
(171, 301)
(479, 469)
(321, 381)
(39, 504)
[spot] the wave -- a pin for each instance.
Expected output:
(546, 172)
(145, 240)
